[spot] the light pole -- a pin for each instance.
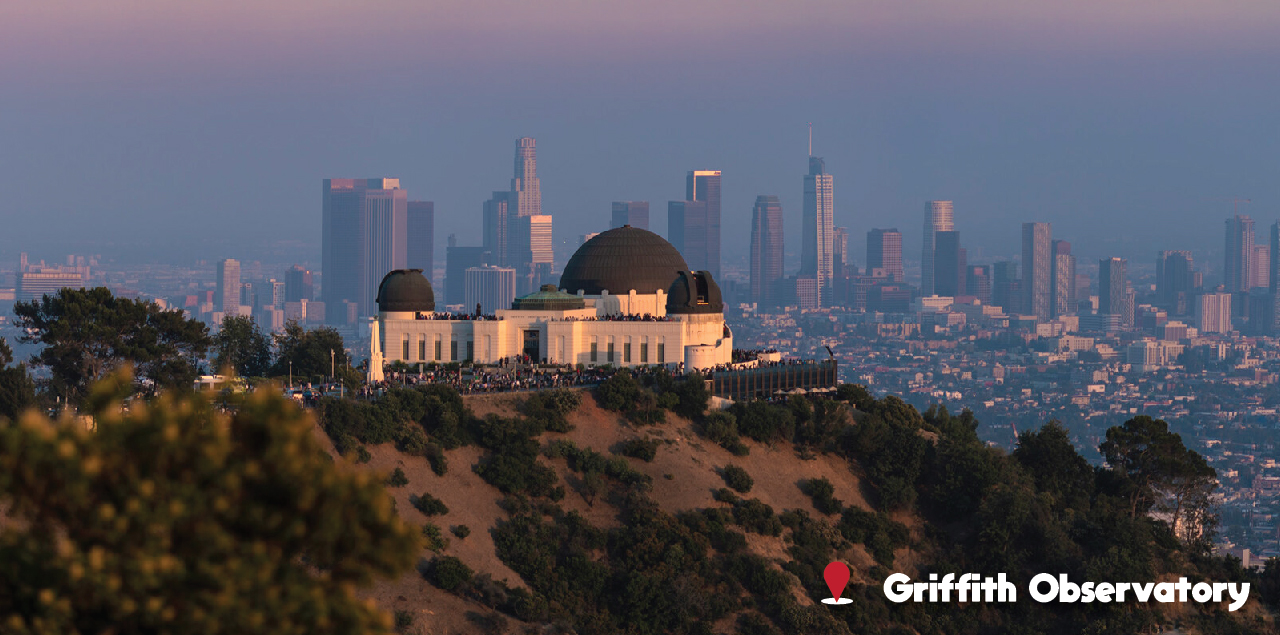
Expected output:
(331, 366)
(291, 375)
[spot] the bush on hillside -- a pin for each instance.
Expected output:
(737, 478)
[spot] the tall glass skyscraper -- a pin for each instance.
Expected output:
(701, 249)
(948, 264)
(1239, 254)
(766, 250)
(938, 217)
(528, 230)
(227, 296)
(1037, 239)
(1113, 288)
(420, 248)
(364, 237)
(884, 251)
(819, 220)
(1063, 279)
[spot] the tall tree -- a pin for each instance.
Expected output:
(309, 351)
(1158, 472)
(178, 519)
(240, 345)
(87, 333)
(17, 390)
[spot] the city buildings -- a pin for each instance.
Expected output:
(489, 288)
(420, 225)
(495, 217)
(884, 251)
(818, 226)
(298, 285)
(633, 213)
(766, 250)
(365, 235)
(1036, 275)
(978, 282)
(1238, 259)
(693, 225)
(1213, 313)
(1063, 278)
(529, 245)
(1113, 289)
(457, 260)
(1175, 280)
(938, 217)
(948, 264)
(227, 296)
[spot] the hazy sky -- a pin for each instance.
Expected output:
(203, 129)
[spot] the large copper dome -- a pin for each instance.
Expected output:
(406, 290)
(621, 260)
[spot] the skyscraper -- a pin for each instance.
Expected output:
(704, 186)
(457, 261)
(766, 250)
(491, 288)
(1036, 244)
(364, 237)
(1239, 254)
(633, 213)
(420, 224)
(816, 245)
(1260, 267)
(1174, 281)
(227, 297)
(1006, 287)
(948, 264)
(528, 235)
(884, 251)
(978, 282)
(297, 285)
(496, 217)
(1063, 279)
(840, 252)
(1113, 287)
(938, 217)
(526, 190)
(1213, 313)
(687, 231)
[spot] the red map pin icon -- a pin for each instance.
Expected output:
(837, 576)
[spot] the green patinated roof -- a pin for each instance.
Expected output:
(548, 299)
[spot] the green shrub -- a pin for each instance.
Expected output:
(429, 505)
(434, 538)
(448, 573)
(619, 392)
(461, 531)
(823, 494)
(549, 409)
(643, 449)
(403, 621)
(737, 478)
(435, 456)
(362, 455)
(757, 517)
(397, 478)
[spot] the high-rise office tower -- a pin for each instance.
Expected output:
(1037, 239)
(1063, 279)
(948, 264)
(1239, 254)
(1260, 267)
(528, 231)
(1275, 259)
(938, 217)
(687, 231)
(526, 190)
(457, 261)
(884, 251)
(766, 250)
(1006, 287)
(496, 221)
(704, 186)
(297, 285)
(364, 237)
(227, 297)
(819, 216)
(420, 224)
(491, 288)
(1174, 281)
(633, 213)
(977, 282)
(840, 252)
(1213, 313)
(1113, 287)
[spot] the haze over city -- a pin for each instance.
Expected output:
(204, 129)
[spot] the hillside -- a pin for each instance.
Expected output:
(605, 540)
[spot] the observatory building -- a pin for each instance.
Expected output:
(625, 298)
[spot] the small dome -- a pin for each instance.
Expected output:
(620, 260)
(406, 290)
(548, 299)
(694, 293)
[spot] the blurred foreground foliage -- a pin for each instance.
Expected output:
(175, 518)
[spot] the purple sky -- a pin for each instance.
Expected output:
(204, 128)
